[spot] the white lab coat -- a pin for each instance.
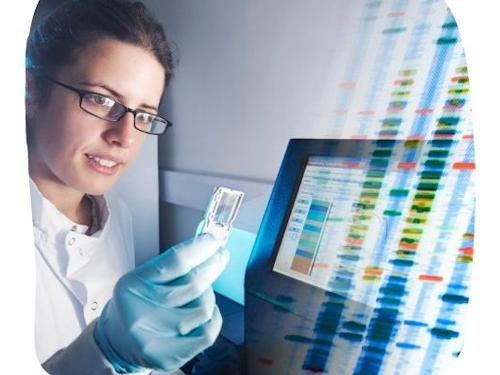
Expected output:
(75, 277)
(76, 273)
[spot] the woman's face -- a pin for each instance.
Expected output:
(73, 148)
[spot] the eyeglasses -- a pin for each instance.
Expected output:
(106, 108)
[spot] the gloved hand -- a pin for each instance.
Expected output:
(163, 313)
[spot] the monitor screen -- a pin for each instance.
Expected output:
(319, 238)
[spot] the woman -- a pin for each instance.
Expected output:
(96, 71)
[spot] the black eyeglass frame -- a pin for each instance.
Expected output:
(82, 93)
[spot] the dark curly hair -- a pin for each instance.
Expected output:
(56, 41)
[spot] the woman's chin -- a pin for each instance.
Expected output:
(98, 188)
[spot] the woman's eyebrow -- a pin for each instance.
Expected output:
(117, 94)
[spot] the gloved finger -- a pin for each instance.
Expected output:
(162, 324)
(185, 289)
(158, 353)
(209, 331)
(197, 312)
(180, 259)
(181, 290)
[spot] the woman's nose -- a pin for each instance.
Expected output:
(122, 133)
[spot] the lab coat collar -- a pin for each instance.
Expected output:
(69, 249)
(48, 219)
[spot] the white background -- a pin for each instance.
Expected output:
(479, 26)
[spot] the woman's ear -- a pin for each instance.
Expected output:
(30, 97)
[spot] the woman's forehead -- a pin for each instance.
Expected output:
(131, 71)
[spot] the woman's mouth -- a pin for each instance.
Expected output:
(102, 164)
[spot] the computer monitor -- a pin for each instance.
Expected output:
(320, 197)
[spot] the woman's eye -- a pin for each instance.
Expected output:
(144, 118)
(100, 100)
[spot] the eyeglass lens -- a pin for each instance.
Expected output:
(108, 109)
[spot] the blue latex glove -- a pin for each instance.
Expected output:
(163, 313)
